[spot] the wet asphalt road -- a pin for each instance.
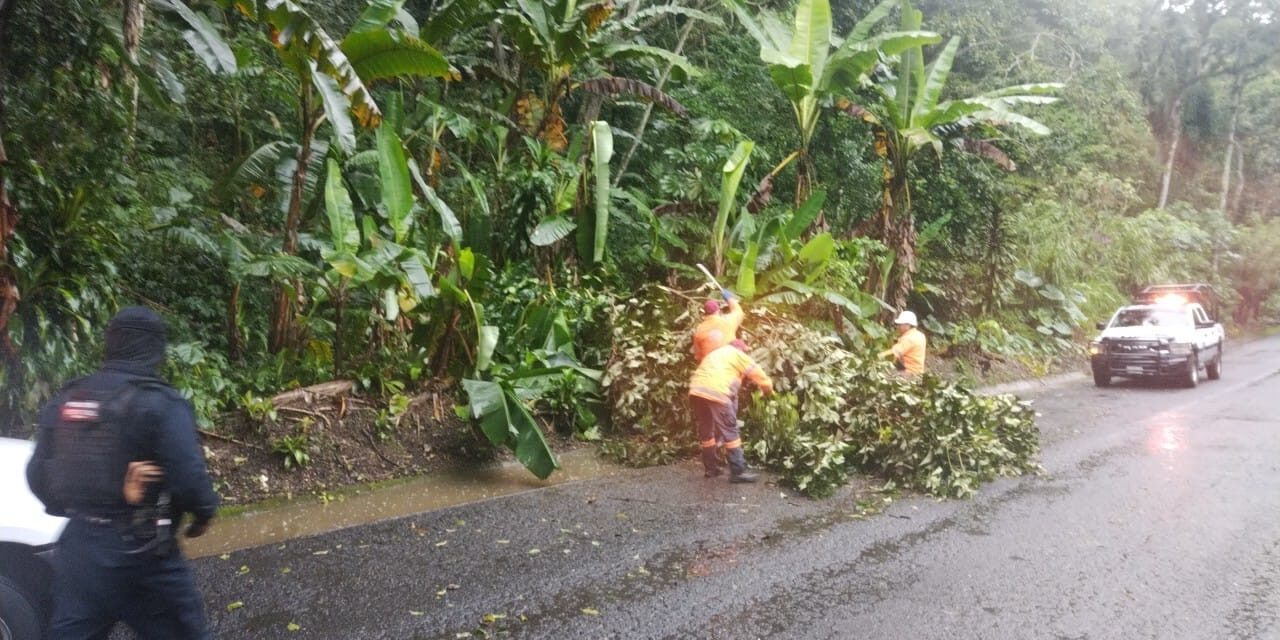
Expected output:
(1158, 516)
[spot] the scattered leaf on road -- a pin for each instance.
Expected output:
(235, 605)
(442, 543)
(534, 552)
(225, 556)
(293, 626)
(504, 542)
(591, 612)
(244, 568)
(416, 613)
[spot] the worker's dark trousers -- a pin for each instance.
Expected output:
(717, 423)
(97, 582)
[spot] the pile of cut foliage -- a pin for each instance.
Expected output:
(836, 411)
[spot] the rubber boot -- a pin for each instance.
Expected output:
(710, 463)
(738, 467)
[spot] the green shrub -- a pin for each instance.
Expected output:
(835, 411)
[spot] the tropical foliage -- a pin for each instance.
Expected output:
(505, 199)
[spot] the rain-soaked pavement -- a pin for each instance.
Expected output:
(1158, 516)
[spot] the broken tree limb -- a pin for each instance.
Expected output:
(311, 394)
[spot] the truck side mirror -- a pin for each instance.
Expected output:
(1101, 326)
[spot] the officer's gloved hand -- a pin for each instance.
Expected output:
(197, 529)
(137, 477)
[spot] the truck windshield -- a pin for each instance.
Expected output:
(1152, 317)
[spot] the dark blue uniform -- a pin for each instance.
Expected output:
(104, 569)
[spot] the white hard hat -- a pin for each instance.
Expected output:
(906, 317)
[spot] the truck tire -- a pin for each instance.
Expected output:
(1101, 377)
(1191, 377)
(19, 619)
(1213, 370)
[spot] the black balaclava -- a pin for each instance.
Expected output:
(136, 339)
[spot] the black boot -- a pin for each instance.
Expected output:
(710, 463)
(738, 467)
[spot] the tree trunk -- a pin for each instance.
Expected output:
(131, 29)
(894, 227)
(282, 322)
(234, 349)
(638, 136)
(1175, 121)
(1229, 156)
(1239, 186)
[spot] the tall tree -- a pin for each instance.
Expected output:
(909, 117)
(806, 67)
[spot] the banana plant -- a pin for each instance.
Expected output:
(562, 37)
(334, 79)
(909, 116)
(776, 265)
(810, 65)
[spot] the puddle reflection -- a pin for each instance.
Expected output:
(1166, 435)
(308, 515)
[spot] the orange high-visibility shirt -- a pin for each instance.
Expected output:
(717, 330)
(720, 374)
(910, 349)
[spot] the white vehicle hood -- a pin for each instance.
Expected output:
(1149, 333)
(22, 516)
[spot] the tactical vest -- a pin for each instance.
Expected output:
(89, 457)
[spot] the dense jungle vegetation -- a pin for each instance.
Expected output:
(506, 199)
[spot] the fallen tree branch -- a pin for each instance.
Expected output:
(314, 392)
(219, 436)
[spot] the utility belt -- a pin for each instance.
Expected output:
(151, 526)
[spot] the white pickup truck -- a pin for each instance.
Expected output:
(1165, 336)
(27, 536)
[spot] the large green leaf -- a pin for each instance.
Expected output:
(335, 109)
(795, 81)
(448, 220)
(551, 230)
(811, 39)
(731, 177)
(858, 58)
(488, 403)
(935, 79)
(343, 232)
(863, 28)
(397, 191)
(804, 216)
(417, 273)
(601, 153)
(379, 55)
(531, 447)
(818, 250)
(488, 341)
(376, 15)
(203, 38)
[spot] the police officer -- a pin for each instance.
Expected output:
(117, 453)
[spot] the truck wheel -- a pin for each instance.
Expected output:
(1192, 376)
(1214, 368)
(1101, 377)
(19, 619)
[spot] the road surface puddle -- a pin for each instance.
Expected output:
(310, 515)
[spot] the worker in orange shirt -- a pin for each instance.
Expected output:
(716, 329)
(908, 351)
(713, 392)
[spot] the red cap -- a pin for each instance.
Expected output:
(711, 306)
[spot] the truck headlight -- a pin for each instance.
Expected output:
(1179, 348)
(1095, 348)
